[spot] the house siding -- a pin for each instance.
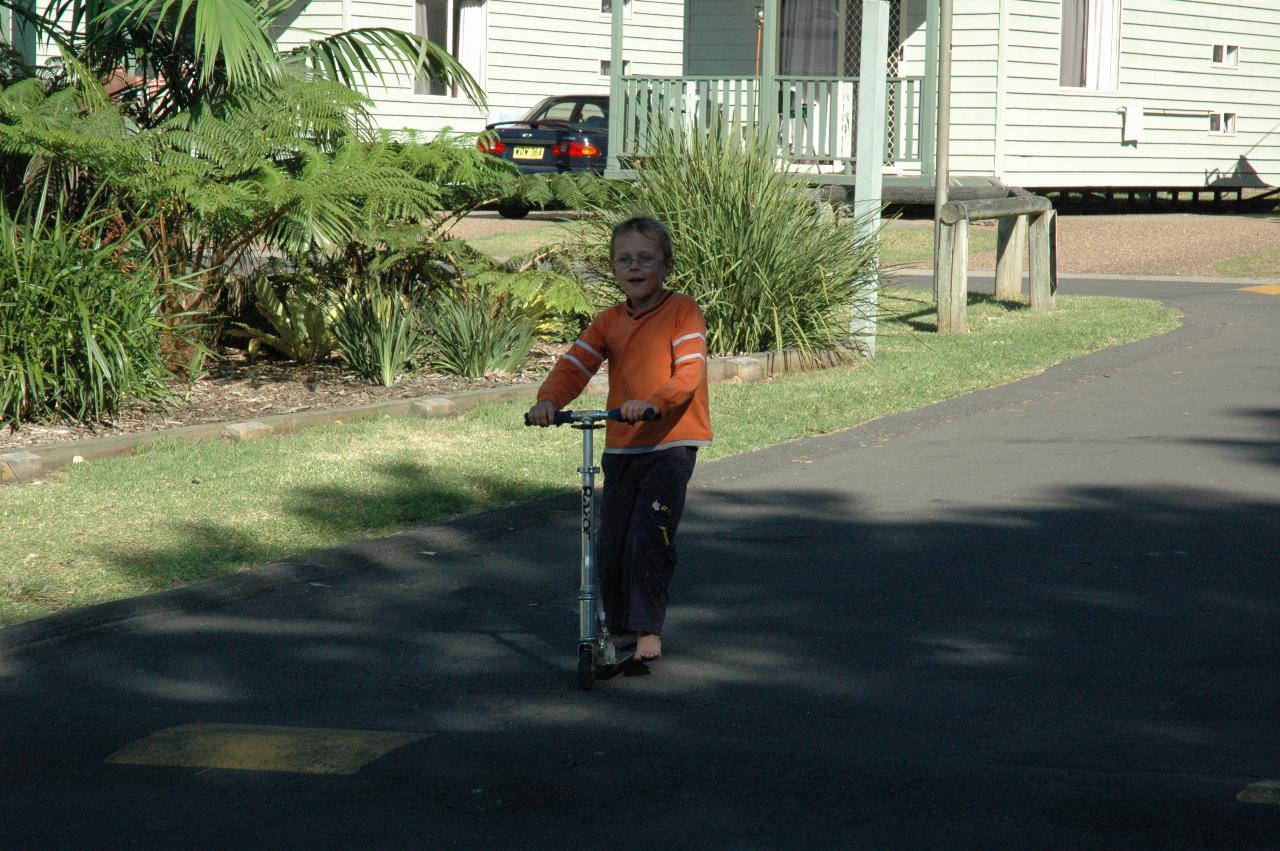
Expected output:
(1056, 137)
(976, 25)
(307, 20)
(534, 50)
(722, 38)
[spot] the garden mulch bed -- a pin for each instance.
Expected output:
(235, 390)
(1125, 244)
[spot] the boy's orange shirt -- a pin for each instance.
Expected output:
(658, 355)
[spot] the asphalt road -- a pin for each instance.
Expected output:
(1039, 616)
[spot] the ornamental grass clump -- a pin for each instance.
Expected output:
(81, 330)
(380, 335)
(475, 334)
(771, 267)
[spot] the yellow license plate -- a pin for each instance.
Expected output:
(530, 153)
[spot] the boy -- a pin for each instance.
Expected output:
(656, 346)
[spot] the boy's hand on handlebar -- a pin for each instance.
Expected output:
(634, 410)
(542, 414)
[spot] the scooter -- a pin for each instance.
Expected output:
(598, 657)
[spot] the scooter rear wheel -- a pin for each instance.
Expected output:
(586, 667)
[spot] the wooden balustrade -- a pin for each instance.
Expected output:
(814, 117)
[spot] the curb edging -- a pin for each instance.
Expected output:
(32, 463)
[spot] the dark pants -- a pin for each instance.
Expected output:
(643, 501)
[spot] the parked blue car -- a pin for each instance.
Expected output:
(567, 133)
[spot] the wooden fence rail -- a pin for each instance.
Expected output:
(1022, 218)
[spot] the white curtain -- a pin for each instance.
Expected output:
(1071, 64)
(1102, 55)
(808, 43)
(472, 38)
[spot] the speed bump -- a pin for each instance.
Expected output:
(247, 747)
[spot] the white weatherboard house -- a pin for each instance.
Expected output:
(1045, 93)
(519, 50)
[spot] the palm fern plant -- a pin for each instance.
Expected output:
(212, 191)
(159, 58)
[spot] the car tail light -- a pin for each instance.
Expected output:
(491, 146)
(575, 148)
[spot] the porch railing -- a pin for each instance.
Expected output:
(814, 119)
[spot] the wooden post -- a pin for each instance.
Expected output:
(872, 100)
(929, 97)
(1011, 248)
(769, 70)
(953, 276)
(617, 108)
(1043, 261)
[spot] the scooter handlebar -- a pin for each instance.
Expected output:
(570, 417)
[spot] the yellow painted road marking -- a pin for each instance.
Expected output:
(1263, 792)
(1265, 289)
(245, 747)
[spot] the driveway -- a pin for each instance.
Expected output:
(1041, 616)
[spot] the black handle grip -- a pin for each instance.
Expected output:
(569, 417)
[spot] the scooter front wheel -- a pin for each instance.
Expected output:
(586, 666)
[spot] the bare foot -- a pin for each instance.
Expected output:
(648, 647)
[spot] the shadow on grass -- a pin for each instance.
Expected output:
(923, 315)
(407, 495)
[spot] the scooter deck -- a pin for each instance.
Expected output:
(615, 656)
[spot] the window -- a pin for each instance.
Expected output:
(1226, 55)
(606, 67)
(589, 110)
(1222, 123)
(459, 27)
(808, 40)
(1090, 56)
(562, 111)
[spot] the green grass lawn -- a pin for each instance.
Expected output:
(180, 512)
(1261, 266)
(503, 246)
(904, 243)
(910, 244)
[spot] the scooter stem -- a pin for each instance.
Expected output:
(589, 587)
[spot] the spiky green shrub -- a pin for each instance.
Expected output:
(380, 335)
(298, 315)
(80, 324)
(473, 334)
(770, 267)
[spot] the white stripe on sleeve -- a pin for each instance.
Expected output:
(581, 342)
(686, 338)
(571, 359)
(694, 356)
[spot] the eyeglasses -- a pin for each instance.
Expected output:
(644, 261)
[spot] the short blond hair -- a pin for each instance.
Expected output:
(649, 228)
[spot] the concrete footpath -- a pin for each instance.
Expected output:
(1038, 616)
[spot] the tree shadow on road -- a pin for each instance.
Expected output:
(1259, 450)
(891, 677)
